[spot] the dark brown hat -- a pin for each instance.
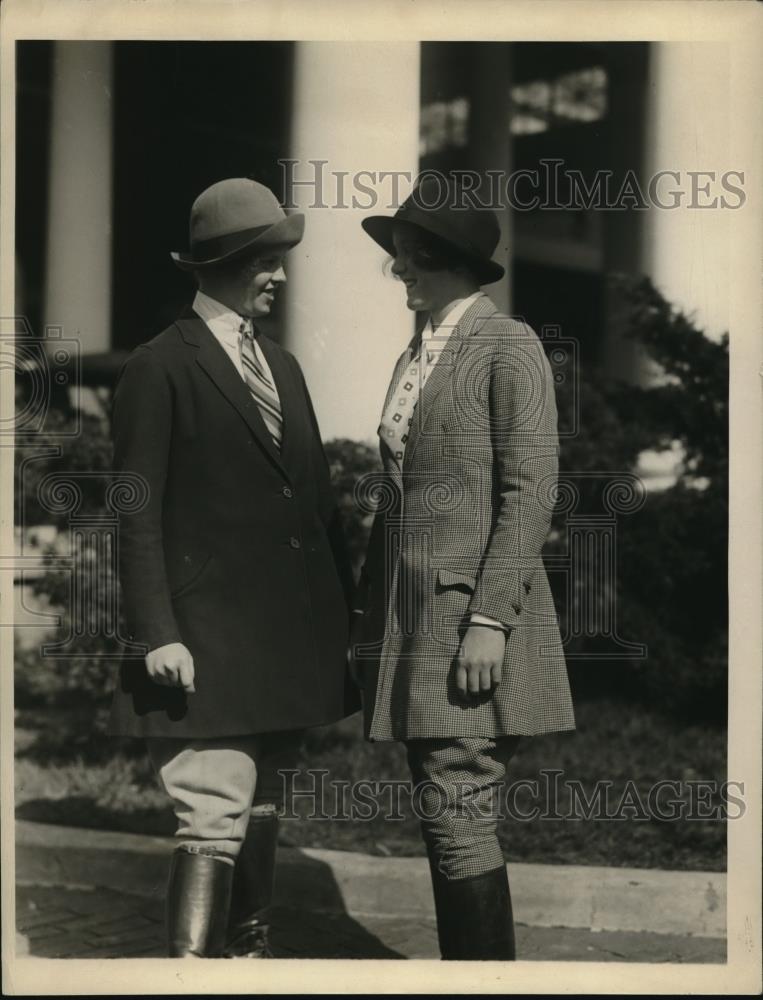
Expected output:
(438, 207)
(233, 217)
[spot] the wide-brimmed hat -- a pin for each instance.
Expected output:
(438, 206)
(233, 217)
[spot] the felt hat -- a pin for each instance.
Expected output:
(233, 217)
(437, 206)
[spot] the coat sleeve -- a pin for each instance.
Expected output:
(523, 420)
(141, 427)
(371, 581)
(328, 508)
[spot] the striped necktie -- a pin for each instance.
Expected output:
(260, 384)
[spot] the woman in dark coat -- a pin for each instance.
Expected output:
(234, 573)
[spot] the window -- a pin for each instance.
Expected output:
(572, 98)
(443, 126)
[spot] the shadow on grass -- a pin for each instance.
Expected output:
(86, 812)
(68, 774)
(59, 735)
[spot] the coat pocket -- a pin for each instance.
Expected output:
(182, 589)
(448, 578)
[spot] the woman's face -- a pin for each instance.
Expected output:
(426, 290)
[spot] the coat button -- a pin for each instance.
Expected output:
(294, 542)
(287, 492)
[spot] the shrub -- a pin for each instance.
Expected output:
(84, 678)
(671, 584)
(672, 553)
(57, 448)
(349, 461)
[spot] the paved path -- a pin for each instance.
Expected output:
(65, 909)
(67, 922)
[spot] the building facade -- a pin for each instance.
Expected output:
(115, 140)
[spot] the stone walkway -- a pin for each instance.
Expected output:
(79, 921)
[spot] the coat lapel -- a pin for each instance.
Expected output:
(211, 357)
(442, 372)
(402, 363)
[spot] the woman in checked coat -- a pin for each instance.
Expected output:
(457, 645)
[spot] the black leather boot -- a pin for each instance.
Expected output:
(248, 927)
(198, 900)
(474, 916)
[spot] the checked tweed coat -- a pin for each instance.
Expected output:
(460, 531)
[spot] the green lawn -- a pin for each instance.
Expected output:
(81, 782)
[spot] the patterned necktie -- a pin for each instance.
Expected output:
(260, 385)
(397, 418)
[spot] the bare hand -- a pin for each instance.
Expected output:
(171, 666)
(480, 660)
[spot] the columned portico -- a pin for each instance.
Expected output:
(686, 249)
(355, 106)
(78, 266)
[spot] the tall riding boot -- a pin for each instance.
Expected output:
(253, 878)
(198, 900)
(474, 916)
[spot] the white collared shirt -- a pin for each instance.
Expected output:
(225, 325)
(433, 341)
(397, 416)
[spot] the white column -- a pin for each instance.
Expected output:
(356, 105)
(686, 250)
(78, 268)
